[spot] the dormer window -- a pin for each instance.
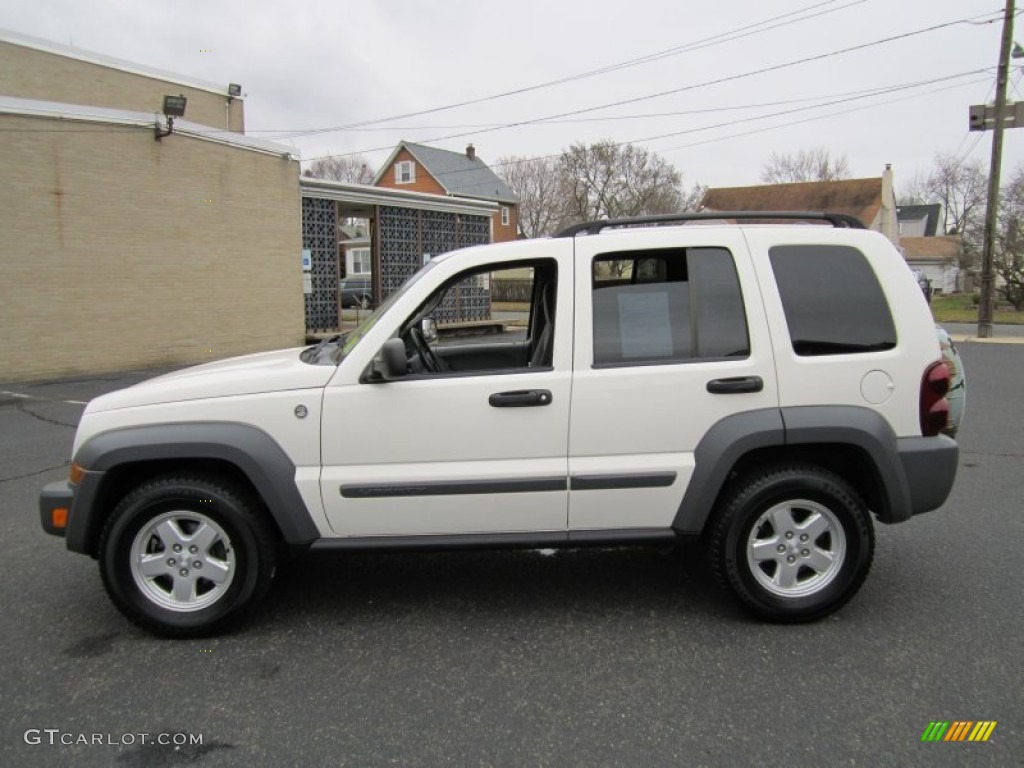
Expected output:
(405, 172)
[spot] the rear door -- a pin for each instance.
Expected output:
(670, 339)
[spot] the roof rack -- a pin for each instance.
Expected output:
(839, 220)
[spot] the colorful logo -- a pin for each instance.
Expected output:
(959, 730)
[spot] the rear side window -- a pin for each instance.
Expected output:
(833, 302)
(667, 306)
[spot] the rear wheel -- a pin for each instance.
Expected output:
(794, 542)
(186, 556)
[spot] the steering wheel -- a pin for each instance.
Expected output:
(430, 360)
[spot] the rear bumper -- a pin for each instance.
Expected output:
(929, 464)
(55, 496)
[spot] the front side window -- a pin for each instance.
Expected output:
(833, 301)
(504, 216)
(667, 306)
(501, 318)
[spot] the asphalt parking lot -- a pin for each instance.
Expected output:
(630, 658)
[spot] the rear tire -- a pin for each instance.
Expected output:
(793, 542)
(187, 556)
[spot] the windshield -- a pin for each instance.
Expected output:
(350, 339)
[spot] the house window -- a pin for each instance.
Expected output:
(504, 215)
(360, 261)
(405, 172)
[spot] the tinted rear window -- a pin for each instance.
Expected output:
(833, 302)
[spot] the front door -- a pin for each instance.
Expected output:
(475, 438)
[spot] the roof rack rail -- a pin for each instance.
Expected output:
(840, 220)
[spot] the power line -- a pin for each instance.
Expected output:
(695, 86)
(654, 115)
(724, 37)
(811, 119)
(892, 89)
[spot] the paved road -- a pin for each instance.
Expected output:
(1000, 331)
(625, 658)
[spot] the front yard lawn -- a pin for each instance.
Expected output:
(959, 308)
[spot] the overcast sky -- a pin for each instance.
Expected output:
(317, 65)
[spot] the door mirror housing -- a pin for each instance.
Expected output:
(392, 362)
(428, 327)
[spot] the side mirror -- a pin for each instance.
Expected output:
(392, 362)
(428, 327)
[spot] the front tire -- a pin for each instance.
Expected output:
(186, 556)
(793, 543)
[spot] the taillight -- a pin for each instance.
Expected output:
(934, 406)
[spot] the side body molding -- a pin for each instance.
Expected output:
(251, 450)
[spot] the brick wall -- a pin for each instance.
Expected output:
(505, 233)
(426, 183)
(27, 73)
(122, 252)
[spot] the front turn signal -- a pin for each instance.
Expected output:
(76, 474)
(59, 517)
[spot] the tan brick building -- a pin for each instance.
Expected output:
(31, 68)
(120, 251)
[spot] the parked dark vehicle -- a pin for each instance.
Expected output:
(356, 292)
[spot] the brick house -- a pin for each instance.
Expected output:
(871, 200)
(419, 168)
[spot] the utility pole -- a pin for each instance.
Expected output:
(985, 305)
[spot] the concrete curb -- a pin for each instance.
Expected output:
(963, 338)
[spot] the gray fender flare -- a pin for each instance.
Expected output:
(734, 436)
(251, 450)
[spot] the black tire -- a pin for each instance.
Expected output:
(778, 507)
(156, 525)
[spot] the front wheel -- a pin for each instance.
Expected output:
(794, 543)
(185, 556)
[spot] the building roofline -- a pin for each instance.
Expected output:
(387, 164)
(48, 46)
(370, 195)
(52, 110)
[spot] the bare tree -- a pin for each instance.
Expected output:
(610, 180)
(693, 198)
(814, 164)
(914, 191)
(1009, 251)
(353, 169)
(537, 183)
(962, 189)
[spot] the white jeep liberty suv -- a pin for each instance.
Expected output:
(767, 387)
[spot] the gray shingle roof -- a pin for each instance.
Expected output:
(932, 211)
(461, 176)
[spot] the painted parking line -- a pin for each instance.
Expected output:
(22, 396)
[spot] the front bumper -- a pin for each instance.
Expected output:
(55, 507)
